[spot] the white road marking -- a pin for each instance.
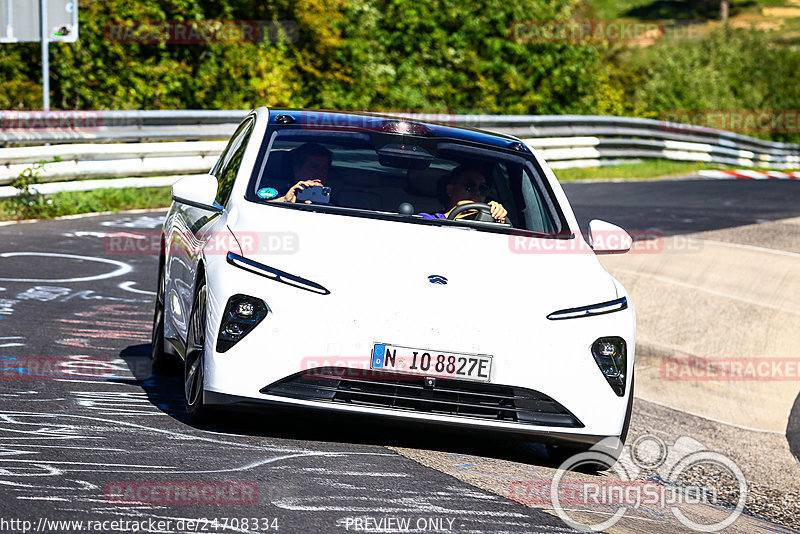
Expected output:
(709, 291)
(748, 247)
(41, 462)
(145, 221)
(7, 415)
(294, 504)
(80, 233)
(127, 287)
(33, 498)
(122, 268)
(83, 483)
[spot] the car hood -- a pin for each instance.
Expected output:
(382, 273)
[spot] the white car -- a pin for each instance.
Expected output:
(430, 273)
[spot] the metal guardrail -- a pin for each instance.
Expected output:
(36, 128)
(109, 144)
(81, 161)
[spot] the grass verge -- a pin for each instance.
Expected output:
(73, 203)
(655, 169)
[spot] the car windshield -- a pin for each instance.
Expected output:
(407, 178)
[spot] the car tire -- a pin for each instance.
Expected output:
(626, 425)
(163, 362)
(596, 461)
(558, 454)
(193, 370)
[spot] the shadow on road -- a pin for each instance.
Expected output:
(166, 393)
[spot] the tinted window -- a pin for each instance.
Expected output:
(424, 177)
(231, 160)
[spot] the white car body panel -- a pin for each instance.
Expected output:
(495, 302)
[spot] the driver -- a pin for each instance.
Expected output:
(310, 165)
(464, 185)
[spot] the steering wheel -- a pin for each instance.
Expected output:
(484, 212)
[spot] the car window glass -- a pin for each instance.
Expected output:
(361, 176)
(231, 160)
(534, 211)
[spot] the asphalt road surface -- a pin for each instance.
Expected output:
(88, 435)
(684, 206)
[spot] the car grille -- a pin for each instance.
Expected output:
(402, 392)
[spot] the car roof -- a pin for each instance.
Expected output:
(372, 121)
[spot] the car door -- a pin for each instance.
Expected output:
(191, 228)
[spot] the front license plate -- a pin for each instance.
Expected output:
(432, 363)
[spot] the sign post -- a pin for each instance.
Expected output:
(43, 21)
(45, 55)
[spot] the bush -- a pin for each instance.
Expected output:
(362, 54)
(729, 69)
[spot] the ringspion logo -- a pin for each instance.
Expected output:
(650, 476)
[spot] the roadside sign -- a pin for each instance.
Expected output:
(20, 21)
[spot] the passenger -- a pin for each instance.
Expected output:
(466, 184)
(311, 163)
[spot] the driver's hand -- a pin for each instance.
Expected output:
(498, 211)
(291, 194)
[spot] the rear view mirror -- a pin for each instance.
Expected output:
(607, 238)
(197, 191)
(404, 157)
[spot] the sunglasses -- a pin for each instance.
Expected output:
(470, 187)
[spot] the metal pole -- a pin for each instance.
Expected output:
(9, 26)
(45, 56)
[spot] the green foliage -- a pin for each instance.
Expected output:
(729, 69)
(101, 72)
(359, 54)
(28, 203)
(722, 71)
(72, 203)
(440, 56)
(460, 57)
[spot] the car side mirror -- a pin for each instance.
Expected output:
(607, 238)
(197, 191)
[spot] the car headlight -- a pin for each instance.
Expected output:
(610, 355)
(588, 311)
(242, 314)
